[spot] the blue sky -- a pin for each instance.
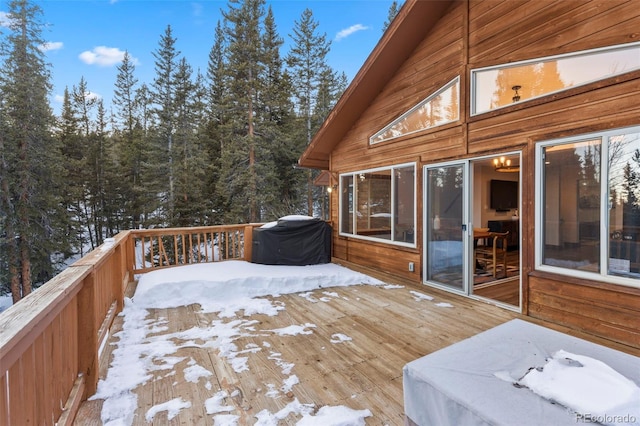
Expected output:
(88, 38)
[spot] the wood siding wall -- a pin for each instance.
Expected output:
(475, 34)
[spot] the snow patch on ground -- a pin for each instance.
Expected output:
(5, 302)
(420, 296)
(172, 408)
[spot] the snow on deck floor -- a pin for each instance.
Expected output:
(230, 292)
(225, 288)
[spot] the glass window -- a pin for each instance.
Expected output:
(440, 108)
(572, 205)
(379, 204)
(504, 85)
(374, 204)
(404, 217)
(624, 204)
(346, 204)
(590, 224)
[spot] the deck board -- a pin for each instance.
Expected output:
(388, 328)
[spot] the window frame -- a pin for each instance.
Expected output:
(603, 275)
(474, 72)
(393, 207)
(450, 83)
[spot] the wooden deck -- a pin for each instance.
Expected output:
(388, 327)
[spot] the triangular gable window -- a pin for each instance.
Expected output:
(440, 108)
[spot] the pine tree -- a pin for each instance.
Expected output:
(8, 257)
(84, 105)
(393, 11)
(308, 65)
(31, 207)
(307, 62)
(72, 146)
(331, 87)
(102, 196)
(145, 188)
(207, 208)
(280, 184)
(132, 106)
(217, 76)
(163, 92)
(124, 94)
(245, 66)
(214, 133)
(189, 167)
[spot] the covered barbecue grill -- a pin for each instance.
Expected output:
(292, 240)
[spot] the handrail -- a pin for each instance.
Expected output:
(50, 341)
(165, 247)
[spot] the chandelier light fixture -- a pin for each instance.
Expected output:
(516, 96)
(503, 165)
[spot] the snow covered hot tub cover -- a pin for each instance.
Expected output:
(479, 381)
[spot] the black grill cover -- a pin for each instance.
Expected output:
(293, 242)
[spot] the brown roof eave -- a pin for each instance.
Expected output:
(413, 22)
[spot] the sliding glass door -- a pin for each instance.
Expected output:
(446, 241)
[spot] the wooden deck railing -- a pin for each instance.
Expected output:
(50, 341)
(160, 248)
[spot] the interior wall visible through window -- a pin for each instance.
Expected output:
(379, 204)
(589, 224)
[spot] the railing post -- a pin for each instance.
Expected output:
(130, 259)
(120, 275)
(248, 242)
(88, 357)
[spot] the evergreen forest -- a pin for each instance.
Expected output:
(189, 148)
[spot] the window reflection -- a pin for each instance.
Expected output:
(444, 227)
(624, 204)
(405, 204)
(578, 231)
(440, 108)
(496, 87)
(374, 204)
(572, 205)
(346, 203)
(379, 204)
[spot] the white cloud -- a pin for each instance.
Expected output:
(92, 95)
(4, 19)
(103, 56)
(348, 31)
(51, 45)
